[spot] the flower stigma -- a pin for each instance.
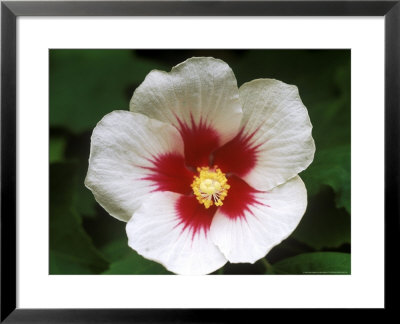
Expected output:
(210, 186)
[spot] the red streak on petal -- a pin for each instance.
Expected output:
(237, 156)
(193, 215)
(199, 141)
(170, 174)
(241, 197)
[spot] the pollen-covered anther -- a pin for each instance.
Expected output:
(210, 186)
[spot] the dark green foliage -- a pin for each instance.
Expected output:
(126, 261)
(57, 149)
(313, 263)
(85, 85)
(323, 225)
(331, 166)
(71, 249)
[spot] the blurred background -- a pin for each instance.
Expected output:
(85, 85)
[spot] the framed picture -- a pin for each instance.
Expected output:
(282, 128)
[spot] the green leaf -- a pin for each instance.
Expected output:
(71, 249)
(124, 260)
(57, 148)
(331, 166)
(116, 250)
(323, 225)
(132, 263)
(314, 263)
(78, 150)
(61, 263)
(288, 248)
(87, 84)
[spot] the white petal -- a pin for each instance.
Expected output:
(279, 128)
(200, 91)
(263, 225)
(157, 233)
(123, 145)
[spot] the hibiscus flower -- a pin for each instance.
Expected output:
(203, 172)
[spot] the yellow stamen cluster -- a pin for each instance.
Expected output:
(210, 186)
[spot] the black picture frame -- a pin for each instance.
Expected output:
(10, 11)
